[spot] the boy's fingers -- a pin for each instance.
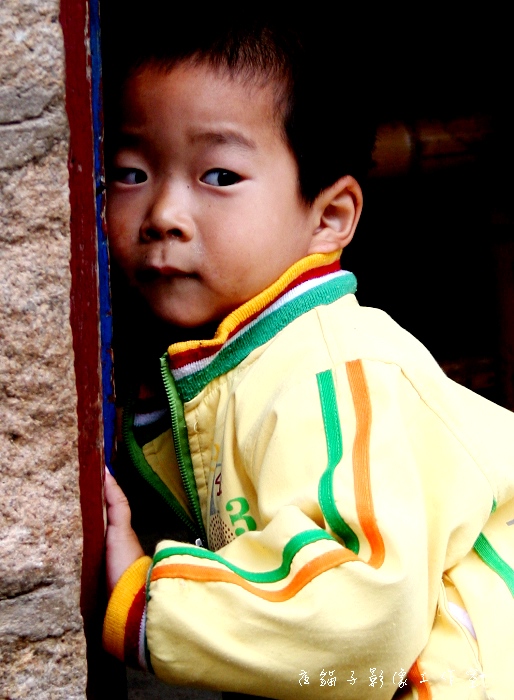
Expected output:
(113, 493)
(118, 509)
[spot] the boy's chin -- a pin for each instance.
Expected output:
(187, 321)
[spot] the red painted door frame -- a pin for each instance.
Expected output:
(106, 678)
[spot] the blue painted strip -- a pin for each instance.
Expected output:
(104, 290)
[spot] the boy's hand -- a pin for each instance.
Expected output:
(122, 544)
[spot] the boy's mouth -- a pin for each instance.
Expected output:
(152, 274)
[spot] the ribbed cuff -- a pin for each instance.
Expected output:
(122, 624)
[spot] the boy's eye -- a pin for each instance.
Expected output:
(128, 176)
(220, 178)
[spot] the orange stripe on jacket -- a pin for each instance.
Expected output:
(310, 571)
(416, 678)
(361, 468)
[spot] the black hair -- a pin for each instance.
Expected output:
(312, 63)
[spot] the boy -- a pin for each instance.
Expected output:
(350, 504)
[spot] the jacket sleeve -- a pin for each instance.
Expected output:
(358, 496)
(125, 614)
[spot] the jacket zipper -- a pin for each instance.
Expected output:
(139, 461)
(181, 449)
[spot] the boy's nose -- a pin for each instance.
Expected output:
(167, 216)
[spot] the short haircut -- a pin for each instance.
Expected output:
(313, 66)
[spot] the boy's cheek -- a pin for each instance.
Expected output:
(122, 239)
(124, 256)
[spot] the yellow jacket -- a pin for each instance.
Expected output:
(357, 501)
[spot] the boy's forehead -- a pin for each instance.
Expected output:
(210, 93)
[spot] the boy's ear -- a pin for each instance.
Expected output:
(337, 210)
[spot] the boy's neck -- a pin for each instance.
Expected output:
(203, 332)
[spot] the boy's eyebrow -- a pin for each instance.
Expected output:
(224, 136)
(127, 139)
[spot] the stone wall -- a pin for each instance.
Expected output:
(42, 651)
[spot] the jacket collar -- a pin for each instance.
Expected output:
(313, 281)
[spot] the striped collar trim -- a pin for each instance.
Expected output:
(312, 266)
(312, 281)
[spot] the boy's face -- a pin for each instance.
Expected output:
(203, 205)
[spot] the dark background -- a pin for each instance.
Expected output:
(434, 247)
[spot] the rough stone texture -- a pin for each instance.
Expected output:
(42, 651)
(44, 669)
